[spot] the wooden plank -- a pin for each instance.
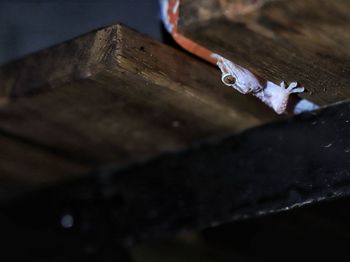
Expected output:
(292, 40)
(268, 169)
(115, 96)
(25, 165)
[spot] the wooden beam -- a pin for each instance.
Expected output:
(292, 40)
(265, 170)
(112, 96)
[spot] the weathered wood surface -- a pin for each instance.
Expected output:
(111, 96)
(292, 40)
(279, 166)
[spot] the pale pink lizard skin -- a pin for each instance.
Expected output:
(233, 75)
(246, 82)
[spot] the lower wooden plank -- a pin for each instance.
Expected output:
(273, 168)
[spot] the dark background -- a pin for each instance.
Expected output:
(28, 26)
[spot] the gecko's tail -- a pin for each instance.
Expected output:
(164, 5)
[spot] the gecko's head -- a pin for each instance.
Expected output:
(230, 80)
(237, 77)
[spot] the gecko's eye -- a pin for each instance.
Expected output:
(228, 79)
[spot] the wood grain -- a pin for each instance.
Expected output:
(111, 97)
(292, 40)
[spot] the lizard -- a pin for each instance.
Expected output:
(277, 97)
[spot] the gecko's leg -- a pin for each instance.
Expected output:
(292, 87)
(277, 96)
(301, 105)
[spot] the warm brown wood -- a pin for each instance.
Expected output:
(24, 164)
(292, 40)
(110, 97)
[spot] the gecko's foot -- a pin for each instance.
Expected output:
(292, 87)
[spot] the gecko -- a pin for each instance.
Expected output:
(277, 97)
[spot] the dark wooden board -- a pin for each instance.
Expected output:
(292, 40)
(268, 169)
(111, 96)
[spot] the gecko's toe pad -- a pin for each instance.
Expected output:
(292, 87)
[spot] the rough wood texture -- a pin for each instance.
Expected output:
(292, 40)
(279, 166)
(111, 96)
